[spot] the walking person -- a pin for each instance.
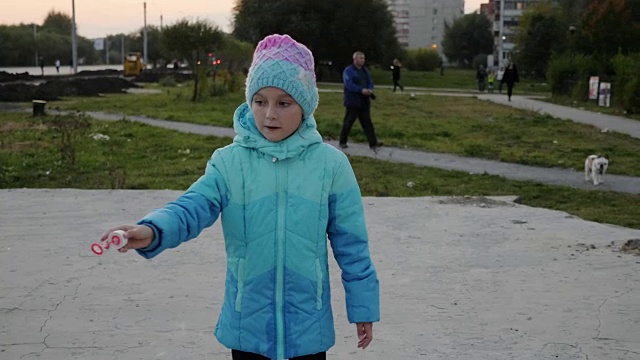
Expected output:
(358, 93)
(395, 71)
(481, 76)
(57, 66)
(41, 64)
(510, 78)
(491, 79)
(499, 77)
(281, 192)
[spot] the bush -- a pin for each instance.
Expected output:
(167, 81)
(568, 75)
(586, 67)
(422, 59)
(627, 87)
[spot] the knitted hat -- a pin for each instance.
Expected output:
(281, 62)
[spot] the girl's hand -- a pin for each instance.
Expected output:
(138, 236)
(365, 334)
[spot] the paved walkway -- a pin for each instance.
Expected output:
(553, 176)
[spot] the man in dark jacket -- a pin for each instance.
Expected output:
(358, 93)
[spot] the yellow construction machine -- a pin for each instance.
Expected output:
(133, 64)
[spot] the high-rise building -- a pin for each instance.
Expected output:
(506, 18)
(420, 23)
(400, 11)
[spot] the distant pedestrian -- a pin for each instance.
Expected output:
(481, 76)
(395, 71)
(441, 64)
(499, 76)
(70, 65)
(41, 63)
(491, 79)
(510, 78)
(58, 66)
(358, 93)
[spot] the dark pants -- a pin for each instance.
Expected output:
(509, 89)
(396, 83)
(364, 114)
(480, 85)
(241, 355)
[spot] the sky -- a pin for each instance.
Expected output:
(97, 19)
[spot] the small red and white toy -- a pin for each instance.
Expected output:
(116, 240)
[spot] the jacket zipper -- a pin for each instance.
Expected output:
(281, 187)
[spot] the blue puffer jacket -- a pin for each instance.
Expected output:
(278, 202)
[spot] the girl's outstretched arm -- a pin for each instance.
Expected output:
(138, 236)
(365, 334)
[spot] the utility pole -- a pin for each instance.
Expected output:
(145, 34)
(74, 41)
(35, 41)
(106, 50)
(160, 22)
(501, 36)
(122, 48)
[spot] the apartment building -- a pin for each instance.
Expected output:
(420, 23)
(505, 16)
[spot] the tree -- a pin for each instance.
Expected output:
(155, 46)
(235, 54)
(466, 38)
(192, 40)
(612, 26)
(57, 22)
(18, 45)
(364, 25)
(540, 33)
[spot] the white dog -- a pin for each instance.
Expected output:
(595, 166)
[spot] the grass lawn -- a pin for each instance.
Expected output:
(456, 125)
(36, 154)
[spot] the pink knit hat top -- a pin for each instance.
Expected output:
(281, 62)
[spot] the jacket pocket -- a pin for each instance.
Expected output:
(319, 279)
(240, 293)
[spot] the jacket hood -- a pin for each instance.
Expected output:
(248, 135)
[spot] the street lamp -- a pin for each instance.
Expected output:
(572, 31)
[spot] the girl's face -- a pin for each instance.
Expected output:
(277, 115)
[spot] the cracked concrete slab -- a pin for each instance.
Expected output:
(461, 278)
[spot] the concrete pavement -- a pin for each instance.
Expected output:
(461, 278)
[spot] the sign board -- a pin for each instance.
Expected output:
(98, 44)
(593, 87)
(605, 94)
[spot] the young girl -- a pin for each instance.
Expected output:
(491, 78)
(281, 192)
